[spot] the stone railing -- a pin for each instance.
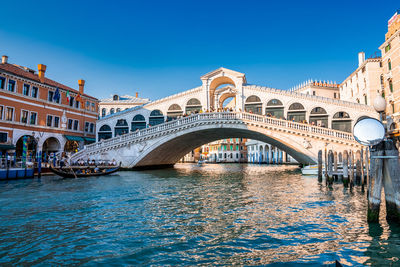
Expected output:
(218, 117)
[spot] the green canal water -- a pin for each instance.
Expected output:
(227, 214)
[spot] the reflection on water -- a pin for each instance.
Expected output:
(226, 214)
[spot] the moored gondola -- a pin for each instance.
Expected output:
(83, 171)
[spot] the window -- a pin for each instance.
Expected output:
(33, 118)
(10, 114)
(70, 122)
(24, 116)
(87, 126)
(49, 120)
(76, 124)
(2, 82)
(387, 48)
(3, 137)
(91, 128)
(25, 89)
(334, 95)
(93, 107)
(1, 112)
(392, 108)
(87, 105)
(118, 109)
(71, 101)
(56, 122)
(390, 64)
(77, 104)
(50, 96)
(11, 85)
(313, 92)
(103, 112)
(365, 100)
(112, 111)
(391, 86)
(35, 91)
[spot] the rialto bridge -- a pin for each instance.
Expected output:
(163, 131)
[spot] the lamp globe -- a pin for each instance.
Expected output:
(379, 104)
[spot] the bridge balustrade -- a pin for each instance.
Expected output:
(220, 116)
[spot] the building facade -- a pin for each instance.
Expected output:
(118, 103)
(51, 116)
(328, 89)
(391, 71)
(226, 150)
(365, 83)
(260, 152)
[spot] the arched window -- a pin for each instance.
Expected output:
(341, 121)
(116, 97)
(391, 85)
(156, 117)
(174, 111)
(193, 106)
(253, 105)
(319, 117)
(118, 109)
(389, 64)
(121, 127)
(274, 109)
(296, 113)
(112, 111)
(104, 132)
(138, 122)
(103, 112)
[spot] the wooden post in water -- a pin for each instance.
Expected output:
(351, 166)
(345, 169)
(358, 167)
(330, 167)
(335, 163)
(375, 186)
(362, 170)
(320, 166)
(326, 166)
(391, 182)
(367, 170)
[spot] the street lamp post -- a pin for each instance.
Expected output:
(384, 165)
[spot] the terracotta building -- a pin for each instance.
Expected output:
(391, 70)
(53, 116)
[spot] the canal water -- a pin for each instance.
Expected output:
(227, 214)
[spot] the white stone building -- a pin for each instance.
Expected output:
(118, 103)
(364, 83)
(328, 89)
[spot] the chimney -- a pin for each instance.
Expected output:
(137, 94)
(81, 86)
(361, 58)
(4, 59)
(42, 71)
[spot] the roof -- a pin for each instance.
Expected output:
(126, 99)
(31, 75)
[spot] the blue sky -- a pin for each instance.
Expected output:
(163, 47)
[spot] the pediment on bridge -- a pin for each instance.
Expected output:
(223, 72)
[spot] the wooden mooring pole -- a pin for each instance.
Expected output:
(351, 166)
(358, 168)
(345, 169)
(335, 165)
(320, 166)
(375, 185)
(330, 168)
(362, 170)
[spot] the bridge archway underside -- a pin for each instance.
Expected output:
(166, 143)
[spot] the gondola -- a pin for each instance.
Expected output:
(70, 171)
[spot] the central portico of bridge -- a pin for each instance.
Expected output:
(162, 131)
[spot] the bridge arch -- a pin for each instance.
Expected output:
(174, 111)
(121, 127)
(104, 132)
(138, 122)
(169, 149)
(156, 117)
(319, 117)
(296, 112)
(253, 105)
(193, 106)
(341, 121)
(275, 108)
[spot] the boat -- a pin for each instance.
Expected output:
(76, 171)
(16, 173)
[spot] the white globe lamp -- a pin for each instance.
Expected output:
(379, 104)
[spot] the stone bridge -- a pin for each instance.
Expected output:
(161, 132)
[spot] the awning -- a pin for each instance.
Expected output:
(6, 147)
(90, 140)
(73, 138)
